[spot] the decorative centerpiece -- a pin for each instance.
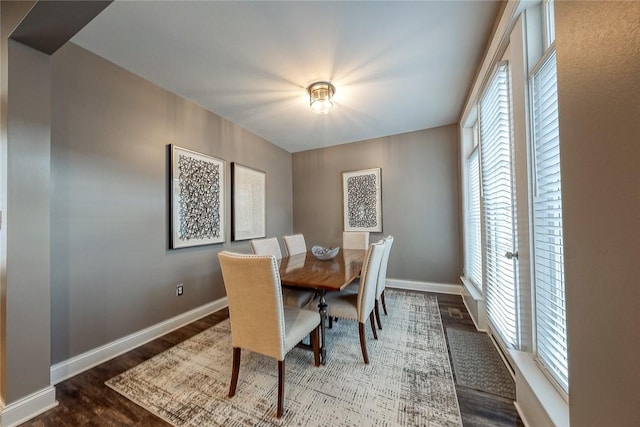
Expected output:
(322, 253)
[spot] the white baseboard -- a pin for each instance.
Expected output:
(522, 415)
(411, 285)
(71, 367)
(28, 407)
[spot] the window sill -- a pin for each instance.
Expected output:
(538, 402)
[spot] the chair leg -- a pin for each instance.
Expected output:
(363, 342)
(373, 325)
(234, 370)
(315, 343)
(330, 322)
(377, 310)
(280, 388)
(384, 305)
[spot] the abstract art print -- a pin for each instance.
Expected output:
(362, 200)
(197, 198)
(248, 204)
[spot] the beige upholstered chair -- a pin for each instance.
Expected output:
(259, 321)
(268, 246)
(355, 239)
(359, 306)
(291, 297)
(295, 244)
(381, 283)
(382, 279)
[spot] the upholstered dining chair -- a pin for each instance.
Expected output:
(295, 244)
(355, 239)
(259, 320)
(381, 282)
(291, 297)
(268, 246)
(359, 306)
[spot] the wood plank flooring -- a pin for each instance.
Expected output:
(84, 400)
(477, 408)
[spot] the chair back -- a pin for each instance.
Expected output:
(369, 280)
(355, 239)
(295, 244)
(256, 309)
(268, 246)
(382, 274)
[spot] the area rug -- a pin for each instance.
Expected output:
(407, 383)
(477, 364)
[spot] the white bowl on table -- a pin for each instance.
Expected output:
(324, 254)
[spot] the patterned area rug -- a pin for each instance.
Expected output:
(407, 383)
(477, 364)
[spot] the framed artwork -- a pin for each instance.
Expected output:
(197, 199)
(362, 200)
(248, 203)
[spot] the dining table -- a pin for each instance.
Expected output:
(305, 271)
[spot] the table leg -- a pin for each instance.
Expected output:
(322, 306)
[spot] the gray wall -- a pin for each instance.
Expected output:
(420, 199)
(112, 273)
(598, 45)
(27, 276)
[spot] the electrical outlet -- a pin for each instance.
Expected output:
(179, 289)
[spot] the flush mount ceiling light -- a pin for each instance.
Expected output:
(321, 97)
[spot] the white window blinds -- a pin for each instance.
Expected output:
(474, 230)
(551, 331)
(497, 188)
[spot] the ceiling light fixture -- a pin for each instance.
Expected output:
(321, 97)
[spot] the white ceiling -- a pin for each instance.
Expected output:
(397, 66)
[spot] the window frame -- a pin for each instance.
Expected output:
(470, 214)
(525, 31)
(499, 319)
(560, 382)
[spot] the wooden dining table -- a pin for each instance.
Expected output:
(305, 271)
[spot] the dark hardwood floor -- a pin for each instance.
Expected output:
(476, 407)
(84, 400)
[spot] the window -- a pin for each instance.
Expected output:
(474, 226)
(515, 105)
(549, 23)
(497, 189)
(551, 330)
